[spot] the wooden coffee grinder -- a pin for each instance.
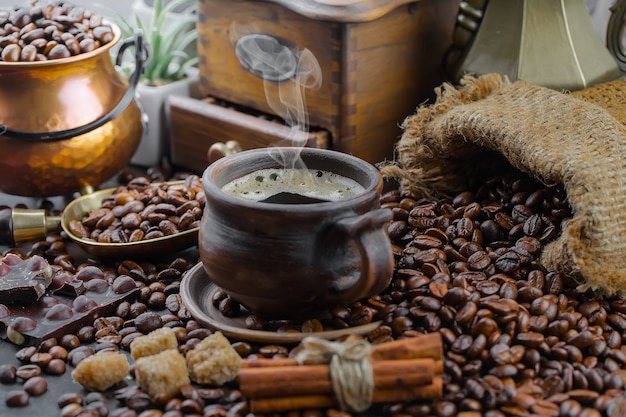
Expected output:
(376, 62)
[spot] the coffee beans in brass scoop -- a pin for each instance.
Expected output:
(141, 219)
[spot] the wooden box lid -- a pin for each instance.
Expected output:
(342, 11)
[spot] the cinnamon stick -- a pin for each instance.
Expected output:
(429, 345)
(287, 403)
(268, 363)
(315, 379)
(281, 362)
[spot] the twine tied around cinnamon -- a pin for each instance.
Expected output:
(350, 368)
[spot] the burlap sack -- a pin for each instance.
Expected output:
(552, 136)
(611, 96)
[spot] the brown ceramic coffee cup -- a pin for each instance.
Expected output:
(294, 258)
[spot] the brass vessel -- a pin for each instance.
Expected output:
(552, 43)
(68, 124)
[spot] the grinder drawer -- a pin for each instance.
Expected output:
(204, 130)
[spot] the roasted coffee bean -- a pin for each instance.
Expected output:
(56, 367)
(99, 407)
(312, 326)
(148, 321)
(8, 374)
(138, 401)
(169, 274)
(173, 302)
(17, 398)
(36, 386)
(78, 354)
(28, 371)
(41, 359)
(58, 352)
(72, 409)
(228, 307)
(24, 354)
(69, 341)
(69, 398)
(137, 309)
(156, 301)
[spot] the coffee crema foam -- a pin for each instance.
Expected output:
(314, 183)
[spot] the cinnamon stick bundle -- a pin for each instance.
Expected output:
(404, 369)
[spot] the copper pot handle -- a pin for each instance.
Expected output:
(141, 57)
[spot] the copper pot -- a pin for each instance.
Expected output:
(67, 124)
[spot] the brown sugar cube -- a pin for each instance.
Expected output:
(101, 371)
(213, 361)
(154, 342)
(165, 372)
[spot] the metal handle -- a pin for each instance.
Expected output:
(141, 56)
(24, 225)
(219, 150)
(265, 57)
(615, 33)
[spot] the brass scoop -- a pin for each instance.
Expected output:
(18, 226)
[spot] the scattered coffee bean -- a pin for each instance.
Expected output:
(36, 386)
(17, 398)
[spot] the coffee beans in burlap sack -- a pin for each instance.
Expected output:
(554, 137)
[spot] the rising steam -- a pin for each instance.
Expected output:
(288, 72)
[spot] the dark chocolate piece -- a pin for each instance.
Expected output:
(61, 312)
(23, 281)
(66, 283)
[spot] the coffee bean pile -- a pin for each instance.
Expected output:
(50, 31)
(143, 210)
(518, 340)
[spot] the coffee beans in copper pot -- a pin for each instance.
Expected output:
(50, 31)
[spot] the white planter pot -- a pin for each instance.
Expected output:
(154, 145)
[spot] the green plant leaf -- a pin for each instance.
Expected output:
(170, 41)
(186, 66)
(187, 39)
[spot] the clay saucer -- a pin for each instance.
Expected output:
(197, 291)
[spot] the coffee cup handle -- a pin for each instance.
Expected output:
(377, 262)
